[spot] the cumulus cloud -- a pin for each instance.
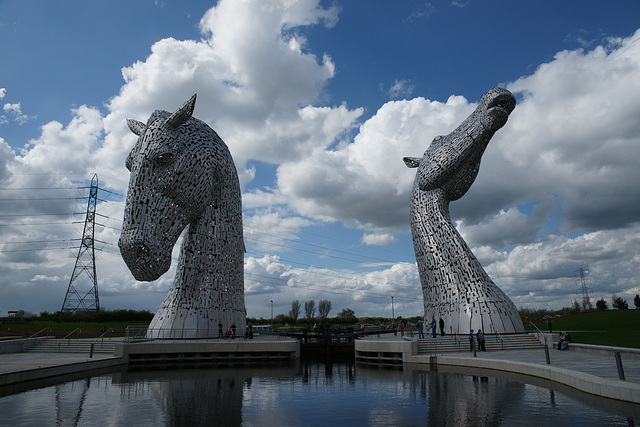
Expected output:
(369, 294)
(14, 113)
(401, 89)
(378, 239)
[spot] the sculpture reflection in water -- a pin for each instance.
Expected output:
(183, 176)
(454, 284)
(309, 393)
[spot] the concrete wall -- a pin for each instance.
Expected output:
(18, 345)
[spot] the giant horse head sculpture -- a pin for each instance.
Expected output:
(454, 284)
(183, 176)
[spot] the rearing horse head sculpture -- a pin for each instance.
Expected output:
(183, 176)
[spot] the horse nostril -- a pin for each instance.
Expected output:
(141, 250)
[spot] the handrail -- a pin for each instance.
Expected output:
(101, 337)
(48, 329)
(495, 331)
(68, 337)
(455, 337)
(138, 332)
(34, 336)
(533, 324)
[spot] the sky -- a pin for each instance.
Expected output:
(318, 102)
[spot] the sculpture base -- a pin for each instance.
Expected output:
(191, 324)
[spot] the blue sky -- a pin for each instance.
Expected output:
(319, 102)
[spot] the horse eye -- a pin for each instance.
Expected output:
(165, 159)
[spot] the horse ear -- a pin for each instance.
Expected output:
(412, 162)
(136, 126)
(182, 114)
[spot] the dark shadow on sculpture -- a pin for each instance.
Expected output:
(183, 176)
(454, 284)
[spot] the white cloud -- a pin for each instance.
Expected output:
(401, 89)
(45, 278)
(15, 113)
(3, 92)
(378, 239)
(369, 294)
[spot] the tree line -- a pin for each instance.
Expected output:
(617, 303)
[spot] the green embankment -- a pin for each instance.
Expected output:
(619, 328)
(60, 329)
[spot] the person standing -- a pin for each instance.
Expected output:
(233, 330)
(471, 340)
(480, 337)
(220, 329)
(420, 328)
(401, 327)
(549, 320)
(433, 326)
(441, 327)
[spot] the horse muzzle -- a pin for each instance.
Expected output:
(146, 261)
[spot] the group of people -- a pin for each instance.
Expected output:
(230, 332)
(421, 325)
(480, 338)
(564, 341)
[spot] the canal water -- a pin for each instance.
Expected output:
(307, 393)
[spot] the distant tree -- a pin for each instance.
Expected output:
(575, 306)
(619, 303)
(346, 312)
(310, 309)
(636, 301)
(601, 304)
(586, 303)
(324, 307)
(295, 310)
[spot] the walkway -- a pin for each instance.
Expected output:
(599, 365)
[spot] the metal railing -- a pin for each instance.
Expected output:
(34, 336)
(101, 337)
(495, 331)
(137, 333)
(47, 329)
(68, 337)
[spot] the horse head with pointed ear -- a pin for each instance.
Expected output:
(178, 167)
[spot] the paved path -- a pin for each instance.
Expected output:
(599, 365)
(19, 362)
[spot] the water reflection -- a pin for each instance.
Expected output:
(306, 393)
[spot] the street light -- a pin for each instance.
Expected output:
(271, 320)
(393, 315)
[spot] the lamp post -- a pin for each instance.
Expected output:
(393, 315)
(271, 320)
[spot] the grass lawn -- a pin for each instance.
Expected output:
(619, 328)
(89, 329)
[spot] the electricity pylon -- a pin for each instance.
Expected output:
(78, 298)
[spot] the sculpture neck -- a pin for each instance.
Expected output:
(435, 234)
(212, 241)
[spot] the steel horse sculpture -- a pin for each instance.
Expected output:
(183, 176)
(454, 284)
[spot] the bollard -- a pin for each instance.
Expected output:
(619, 365)
(546, 354)
(91, 351)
